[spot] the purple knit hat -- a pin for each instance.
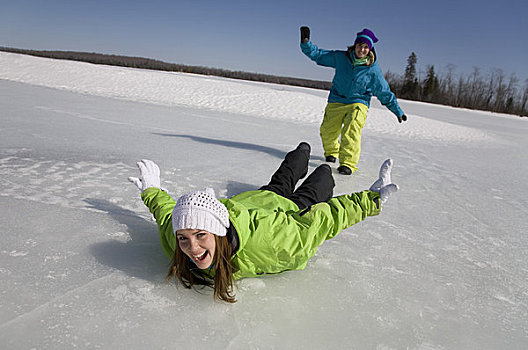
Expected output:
(366, 36)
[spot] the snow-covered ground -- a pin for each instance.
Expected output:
(445, 266)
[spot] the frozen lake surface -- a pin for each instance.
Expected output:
(445, 266)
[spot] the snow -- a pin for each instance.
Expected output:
(445, 265)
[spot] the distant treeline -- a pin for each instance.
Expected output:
(147, 63)
(496, 93)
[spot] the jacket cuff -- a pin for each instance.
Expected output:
(375, 199)
(150, 190)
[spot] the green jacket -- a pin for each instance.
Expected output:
(274, 235)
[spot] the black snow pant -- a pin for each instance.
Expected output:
(317, 187)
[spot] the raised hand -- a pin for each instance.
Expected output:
(149, 175)
(305, 34)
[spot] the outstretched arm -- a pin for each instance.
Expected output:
(320, 56)
(382, 91)
(328, 219)
(159, 202)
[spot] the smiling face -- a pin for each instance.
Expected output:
(361, 50)
(199, 245)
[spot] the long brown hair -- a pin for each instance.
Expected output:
(189, 275)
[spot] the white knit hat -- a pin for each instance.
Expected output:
(202, 211)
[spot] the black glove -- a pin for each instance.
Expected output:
(305, 34)
(403, 118)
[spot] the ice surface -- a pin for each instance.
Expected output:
(445, 265)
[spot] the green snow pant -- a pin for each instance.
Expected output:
(347, 120)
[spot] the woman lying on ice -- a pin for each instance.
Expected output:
(213, 242)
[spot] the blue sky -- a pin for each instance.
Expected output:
(263, 36)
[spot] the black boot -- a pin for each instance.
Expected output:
(293, 167)
(344, 170)
(304, 146)
(331, 159)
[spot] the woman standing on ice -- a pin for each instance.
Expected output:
(357, 77)
(213, 242)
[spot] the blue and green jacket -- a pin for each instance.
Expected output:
(353, 84)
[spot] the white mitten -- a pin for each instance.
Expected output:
(383, 184)
(149, 175)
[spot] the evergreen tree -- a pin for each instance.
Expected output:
(410, 82)
(430, 85)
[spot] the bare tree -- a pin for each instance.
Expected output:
(394, 80)
(497, 76)
(511, 91)
(447, 87)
